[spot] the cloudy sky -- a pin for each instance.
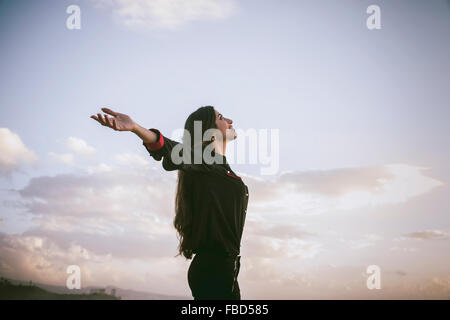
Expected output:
(363, 158)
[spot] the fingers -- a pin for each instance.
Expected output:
(114, 124)
(99, 119)
(107, 121)
(109, 111)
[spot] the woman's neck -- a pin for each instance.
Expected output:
(220, 147)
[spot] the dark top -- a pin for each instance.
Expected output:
(219, 203)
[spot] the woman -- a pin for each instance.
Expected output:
(211, 200)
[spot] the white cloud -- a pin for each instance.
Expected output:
(102, 167)
(368, 240)
(66, 158)
(41, 259)
(404, 249)
(288, 281)
(79, 146)
(107, 211)
(13, 152)
(166, 14)
(342, 189)
(427, 235)
(131, 159)
(114, 222)
(44, 261)
(281, 230)
(282, 248)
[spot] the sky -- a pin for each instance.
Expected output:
(362, 158)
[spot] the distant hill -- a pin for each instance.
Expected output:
(10, 291)
(23, 290)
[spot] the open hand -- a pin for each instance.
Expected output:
(118, 121)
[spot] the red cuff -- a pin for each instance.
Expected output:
(159, 141)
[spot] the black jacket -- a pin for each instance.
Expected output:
(219, 200)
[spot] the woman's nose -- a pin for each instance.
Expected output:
(229, 121)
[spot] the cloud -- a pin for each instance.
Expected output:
(400, 273)
(29, 257)
(266, 239)
(437, 287)
(66, 158)
(13, 152)
(102, 167)
(105, 212)
(109, 210)
(428, 235)
(280, 248)
(404, 249)
(315, 192)
(333, 282)
(116, 223)
(166, 14)
(79, 146)
(341, 181)
(131, 159)
(40, 259)
(280, 230)
(368, 240)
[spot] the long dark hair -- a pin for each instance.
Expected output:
(183, 198)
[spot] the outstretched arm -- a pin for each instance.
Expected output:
(159, 147)
(122, 122)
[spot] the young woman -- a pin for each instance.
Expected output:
(211, 200)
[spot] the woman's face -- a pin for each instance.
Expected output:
(225, 126)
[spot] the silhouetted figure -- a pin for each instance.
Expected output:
(211, 200)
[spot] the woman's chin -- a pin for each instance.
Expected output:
(231, 135)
